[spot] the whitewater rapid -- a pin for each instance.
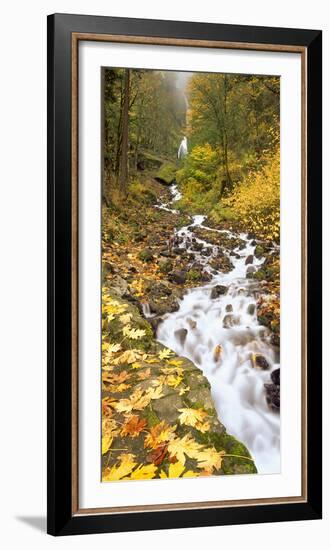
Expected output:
(220, 336)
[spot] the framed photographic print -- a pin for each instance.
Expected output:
(184, 274)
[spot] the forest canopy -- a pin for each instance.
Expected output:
(232, 126)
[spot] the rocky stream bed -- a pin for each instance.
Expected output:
(207, 293)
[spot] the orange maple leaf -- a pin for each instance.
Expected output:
(157, 456)
(133, 426)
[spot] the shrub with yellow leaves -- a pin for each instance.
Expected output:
(256, 201)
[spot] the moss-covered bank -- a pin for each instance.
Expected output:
(159, 418)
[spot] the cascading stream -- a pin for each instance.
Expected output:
(220, 334)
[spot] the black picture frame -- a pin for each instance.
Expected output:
(61, 519)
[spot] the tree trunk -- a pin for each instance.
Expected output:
(228, 181)
(123, 159)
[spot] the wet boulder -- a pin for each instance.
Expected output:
(251, 309)
(191, 322)
(155, 322)
(161, 298)
(218, 290)
(221, 263)
(181, 335)
(275, 376)
(207, 251)
(229, 308)
(177, 277)
(230, 320)
(198, 246)
(259, 362)
(206, 277)
(273, 396)
(158, 290)
(249, 260)
(275, 339)
(168, 305)
(177, 250)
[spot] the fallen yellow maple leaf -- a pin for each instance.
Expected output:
(191, 417)
(174, 470)
(125, 318)
(210, 459)
(203, 427)
(173, 381)
(115, 473)
(144, 472)
(113, 348)
(109, 431)
(165, 353)
(129, 356)
(133, 333)
(175, 362)
(116, 378)
(155, 393)
(136, 401)
(117, 388)
(160, 433)
(180, 447)
(106, 443)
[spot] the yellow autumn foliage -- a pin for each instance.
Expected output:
(256, 201)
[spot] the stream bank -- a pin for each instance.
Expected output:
(204, 290)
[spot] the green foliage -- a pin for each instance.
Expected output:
(142, 193)
(220, 213)
(199, 179)
(235, 115)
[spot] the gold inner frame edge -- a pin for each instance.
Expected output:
(76, 37)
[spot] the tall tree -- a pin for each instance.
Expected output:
(123, 156)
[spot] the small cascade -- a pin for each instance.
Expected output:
(223, 337)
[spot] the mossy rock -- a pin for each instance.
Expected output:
(165, 265)
(166, 173)
(149, 160)
(259, 251)
(115, 327)
(194, 275)
(146, 255)
(196, 395)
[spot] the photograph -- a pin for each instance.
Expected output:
(190, 295)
